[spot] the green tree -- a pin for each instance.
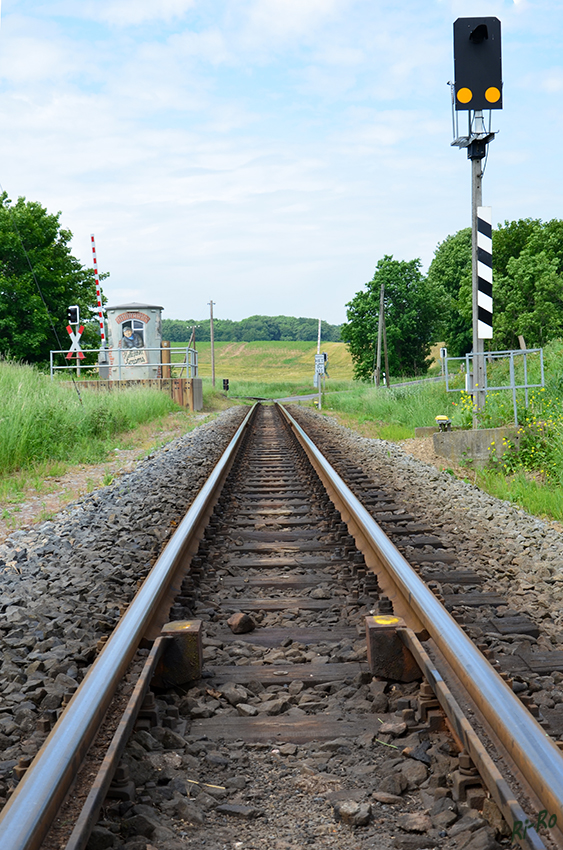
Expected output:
(176, 330)
(527, 282)
(450, 272)
(412, 310)
(258, 328)
(25, 322)
(529, 301)
(509, 240)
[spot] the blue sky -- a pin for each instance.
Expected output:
(266, 153)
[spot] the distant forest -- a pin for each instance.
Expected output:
(253, 329)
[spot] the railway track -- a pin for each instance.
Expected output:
(300, 730)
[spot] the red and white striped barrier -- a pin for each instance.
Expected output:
(98, 293)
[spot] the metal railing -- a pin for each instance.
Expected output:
(514, 384)
(115, 363)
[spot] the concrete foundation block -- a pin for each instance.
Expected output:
(388, 657)
(426, 430)
(472, 447)
(182, 659)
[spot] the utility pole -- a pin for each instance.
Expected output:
(212, 343)
(319, 338)
(380, 334)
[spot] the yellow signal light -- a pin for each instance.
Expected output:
(492, 95)
(464, 95)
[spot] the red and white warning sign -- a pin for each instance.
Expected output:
(74, 338)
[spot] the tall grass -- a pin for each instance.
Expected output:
(43, 420)
(408, 407)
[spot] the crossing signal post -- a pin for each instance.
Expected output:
(73, 315)
(73, 318)
(478, 87)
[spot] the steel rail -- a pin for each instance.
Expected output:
(27, 817)
(534, 753)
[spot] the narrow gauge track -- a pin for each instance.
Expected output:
(298, 689)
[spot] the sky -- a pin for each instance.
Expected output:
(265, 154)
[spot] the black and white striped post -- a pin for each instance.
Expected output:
(484, 273)
(482, 245)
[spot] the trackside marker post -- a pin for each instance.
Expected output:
(103, 363)
(484, 273)
(387, 656)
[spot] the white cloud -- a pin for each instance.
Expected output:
(125, 13)
(265, 152)
(552, 81)
(290, 18)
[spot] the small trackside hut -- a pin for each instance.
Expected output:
(134, 341)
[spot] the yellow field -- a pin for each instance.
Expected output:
(272, 361)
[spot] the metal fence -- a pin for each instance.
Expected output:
(130, 364)
(518, 373)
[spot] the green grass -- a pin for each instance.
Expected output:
(530, 475)
(401, 409)
(535, 497)
(43, 421)
(276, 389)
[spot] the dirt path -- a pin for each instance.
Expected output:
(422, 448)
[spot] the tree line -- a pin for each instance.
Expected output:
(423, 309)
(253, 329)
(40, 278)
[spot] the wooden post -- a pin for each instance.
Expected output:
(178, 391)
(182, 660)
(388, 657)
(166, 371)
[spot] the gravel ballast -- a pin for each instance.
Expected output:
(62, 585)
